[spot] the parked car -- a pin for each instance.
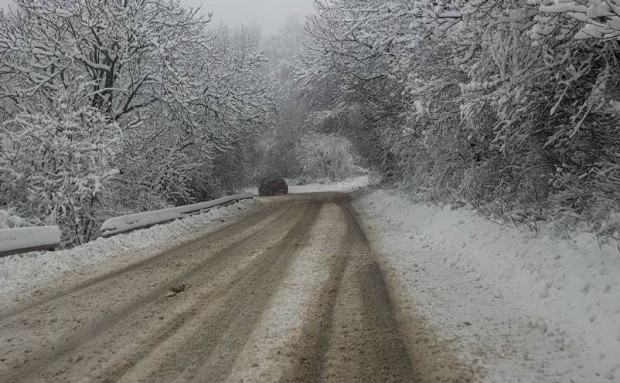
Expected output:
(273, 187)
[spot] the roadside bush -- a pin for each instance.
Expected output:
(325, 157)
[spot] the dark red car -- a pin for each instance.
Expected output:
(273, 187)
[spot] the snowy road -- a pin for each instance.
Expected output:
(290, 292)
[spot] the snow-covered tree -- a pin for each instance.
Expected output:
(510, 105)
(56, 165)
(188, 99)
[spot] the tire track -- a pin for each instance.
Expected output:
(229, 230)
(51, 351)
(273, 347)
(314, 342)
(209, 348)
(234, 285)
(354, 335)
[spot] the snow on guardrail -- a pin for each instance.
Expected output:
(25, 239)
(127, 223)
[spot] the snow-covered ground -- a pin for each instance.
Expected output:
(347, 185)
(524, 307)
(342, 186)
(521, 306)
(281, 326)
(24, 271)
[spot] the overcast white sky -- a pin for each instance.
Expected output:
(270, 15)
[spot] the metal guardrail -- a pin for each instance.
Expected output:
(26, 239)
(131, 222)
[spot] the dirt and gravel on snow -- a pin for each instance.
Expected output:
(290, 292)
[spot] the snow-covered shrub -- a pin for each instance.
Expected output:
(56, 165)
(325, 157)
(9, 220)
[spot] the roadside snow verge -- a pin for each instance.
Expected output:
(19, 273)
(343, 186)
(18, 240)
(526, 307)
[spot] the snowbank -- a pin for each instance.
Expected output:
(28, 238)
(526, 307)
(146, 219)
(343, 186)
(24, 271)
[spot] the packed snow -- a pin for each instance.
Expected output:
(341, 186)
(24, 271)
(523, 307)
(282, 323)
(346, 185)
(146, 219)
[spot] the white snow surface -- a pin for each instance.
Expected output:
(19, 273)
(145, 219)
(525, 307)
(28, 238)
(342, 186)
